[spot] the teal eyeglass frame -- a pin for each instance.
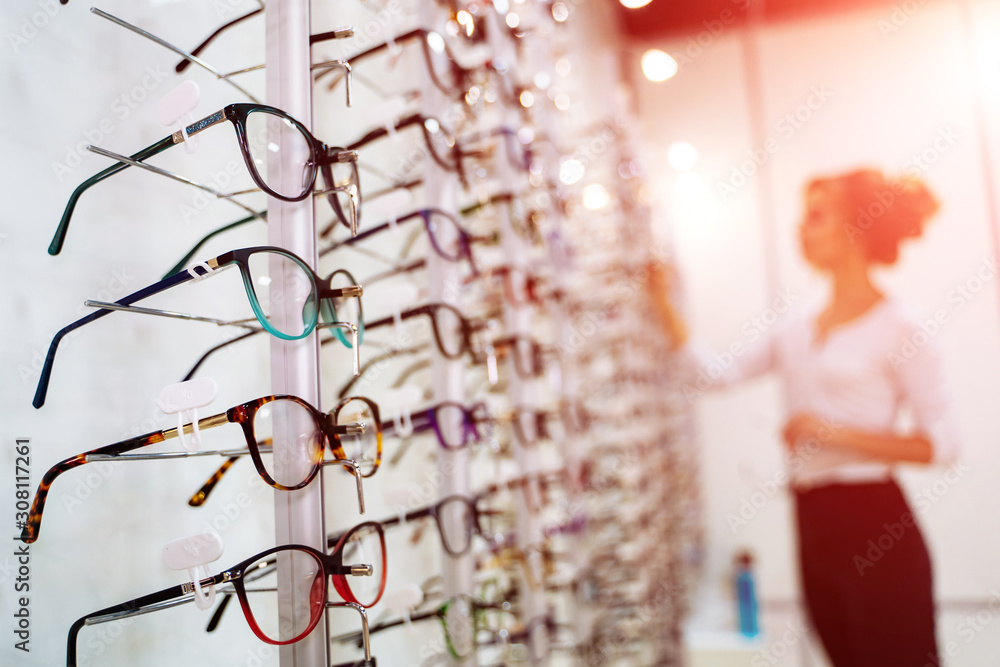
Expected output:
(322, 296)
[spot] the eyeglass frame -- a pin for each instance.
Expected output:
(322, 154)
(243, 415)
(235, 575)
(427, 419)
(238, 258)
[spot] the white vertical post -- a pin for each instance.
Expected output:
(517, 322)
(444, 285)
(298, 515)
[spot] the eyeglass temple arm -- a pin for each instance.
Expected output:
(403, 185)
(165, 284)
(493, 199)
(324, 65)
(372, 51)
(372, 362)
(211, 351)
(356, 354)
(412, 515)
(364, 630)
(165, 599)
(399, 270)
(201, 495)
(179, 51)
(358, 638)
(228, 196)
(179, 266)
(380, 132)
(32, 526)
(55, 247)
(386, 225)
(171, 314)
(421, 421)
(183, 64)
(329, 65)
(227, 343)
(405, 315)
(351, 240)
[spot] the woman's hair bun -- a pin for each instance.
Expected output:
(881, 211)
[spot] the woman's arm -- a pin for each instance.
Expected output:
(805, 428)
(703, 368)
(660, 292)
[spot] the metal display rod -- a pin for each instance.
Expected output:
(298, 515)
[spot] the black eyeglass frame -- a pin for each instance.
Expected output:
(322, 156)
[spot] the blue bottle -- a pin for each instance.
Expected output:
(746, 596)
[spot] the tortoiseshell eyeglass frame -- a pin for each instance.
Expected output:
(326, 423)
(201, 495)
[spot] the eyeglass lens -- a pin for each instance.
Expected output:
(285, 292)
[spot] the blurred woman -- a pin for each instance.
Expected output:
(849, 364)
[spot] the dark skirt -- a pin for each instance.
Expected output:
(866, 576)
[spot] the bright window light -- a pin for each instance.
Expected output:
(682, 156)
(658, 66)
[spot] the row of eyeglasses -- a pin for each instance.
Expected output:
(580, 504)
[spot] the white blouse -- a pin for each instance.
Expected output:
(859, 377)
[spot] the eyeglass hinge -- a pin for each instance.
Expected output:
(352, 291)
(341, 155)
(355, 429)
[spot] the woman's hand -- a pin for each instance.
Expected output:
(802, 428)
(662, 279)
(805, 428)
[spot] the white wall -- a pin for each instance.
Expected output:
(894, 83)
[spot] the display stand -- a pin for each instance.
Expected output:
(298, 515)
(447, 375)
